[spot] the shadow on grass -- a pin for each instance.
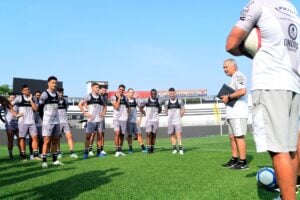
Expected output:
(68, 188)
(263, 193)
(26, 174)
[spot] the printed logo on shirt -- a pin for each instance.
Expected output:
(291, 42)
(293, 32)
(245, 11)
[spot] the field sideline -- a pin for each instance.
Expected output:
(196, 175)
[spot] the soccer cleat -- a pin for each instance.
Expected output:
(44, 165)
(59, 156)
(36, 158)
(117, 154)
(174, 151)
(73, 155)
(85, 156)
(11, 156)
(103, 153)
(230, 163)
(91, 153)
(130, 151)
(122, 154)
(57, 163)
(181, 152)
(144, 151)
(240, 166)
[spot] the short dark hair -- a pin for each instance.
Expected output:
(50, 78)
(130, 89)
(24, 86)
(94, 83)
(60, 89)
(172, 89)
(102, 86)
(122, 86)
(38, 91)
(153, 90)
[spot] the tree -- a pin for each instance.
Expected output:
(5, 89)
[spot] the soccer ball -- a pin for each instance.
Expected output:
(251, 43)
(266, 177)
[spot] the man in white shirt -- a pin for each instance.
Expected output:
(236, 116)
(275, 83)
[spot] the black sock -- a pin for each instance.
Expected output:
(86, 151)
(35, 153)
(130, 147)
(180, 147)
(44, 156)
(101, 148)
(58, 152)
(90, 148)
(235, 159)
(72, 151)
(143, 146)
(23, 154)
(119, 149)
(98, 151)
(243, 161)
(54, 157)
(152, 148)
(10, 152)
(174, 147)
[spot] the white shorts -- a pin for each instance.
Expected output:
(120, 126)
(174, 128)
(275, 120)
(151, 127)
(27, 128)
(51, 130)
(237, 126)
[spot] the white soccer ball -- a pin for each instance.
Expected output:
(266, 177)
(252, 42)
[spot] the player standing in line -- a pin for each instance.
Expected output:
(11, 122)
(64, 124)
(95, 112)
(50, 129)
(237, 116)
(26, 124)
(275, 83)
(120, 116)
(175, 110)
(132, 127)
(38, 123)
(153, 108)
(100, 137)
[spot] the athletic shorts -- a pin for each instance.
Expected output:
(237, 126)
(92, 127)
(64, 128)
(27, 128)
(51, 130)
(12, 126)
(132, 128)
(275, 120)
(120, 126)
(151, 127)
(174, 128)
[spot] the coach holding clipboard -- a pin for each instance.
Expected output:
(234, 96)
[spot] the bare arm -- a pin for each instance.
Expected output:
(237, 94)
(234, 40)
(182, 111)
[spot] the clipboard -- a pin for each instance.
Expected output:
(224, 91)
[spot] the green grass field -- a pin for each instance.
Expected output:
(196, 175)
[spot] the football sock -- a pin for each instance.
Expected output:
(35, 153)
(44, 156)
(86, 151)
(72, 151)
(143, 146)
(98, 151)
(54, 157)
(180, 147)
(235, 159)
(101, 148)
(130, 147)
(58, 152)
(174, 147)
(91, 148)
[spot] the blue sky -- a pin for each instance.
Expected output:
(143, 44)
